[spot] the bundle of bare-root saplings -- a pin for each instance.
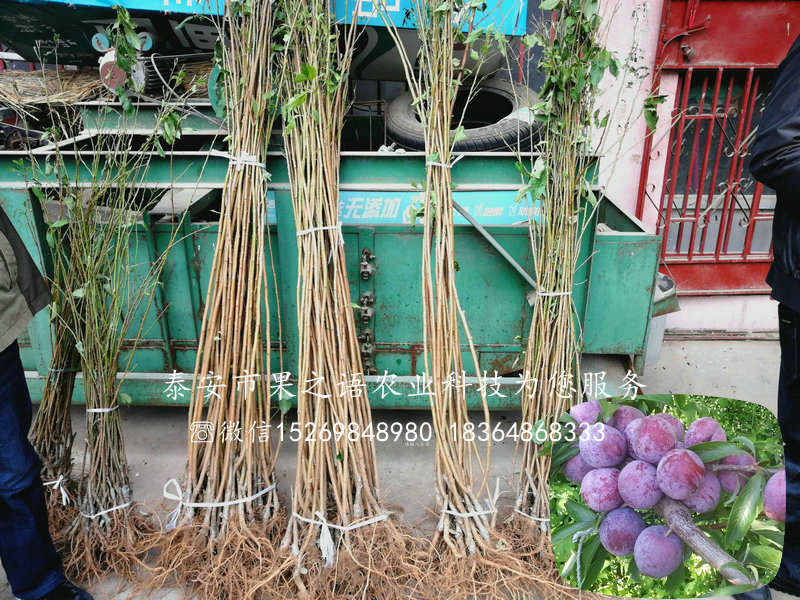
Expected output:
(558, 184)
(224, 529)
(337, 514)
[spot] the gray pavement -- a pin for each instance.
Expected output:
(156, 437)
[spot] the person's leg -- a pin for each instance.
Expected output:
(788, 578)
(31, 563)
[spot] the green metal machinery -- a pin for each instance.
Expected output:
(613, 294)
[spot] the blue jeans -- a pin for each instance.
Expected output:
(788, 577)
(31, 563)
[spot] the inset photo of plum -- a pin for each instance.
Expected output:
(668, 496)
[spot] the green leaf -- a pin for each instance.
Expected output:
(607, 408)
(569, 566)
(613, 67)
(766, 557)
(562, 453)
(307, 73)
(476, 33)
(579, 512)
(730, 590)
(744, 510)
(746, 442)
(769, 532)
(433, 157)
(124, 399)
(633, 569)
(159, 149)
(127, 105)
(651, 110)
(79, 347)
(549, 4)
(171, 127)
(675, 579)
(59, 223)
(715, 450)
(284, 402)
(79, 293)
(651, 118)
(596, 72)
(297, 100)
(459, 135)
(51, 241)
(737, 567)
(591, 561)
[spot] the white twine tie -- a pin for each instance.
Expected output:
(326, 545)
(553, 294)
(105, 512)
(241, 160)
(337, 227)
(178, 497)
(445, 165)
(58, 485)
(578, 539)
(540, 520)
(477, 513)
(102, 410)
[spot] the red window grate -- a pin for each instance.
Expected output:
(716, 220)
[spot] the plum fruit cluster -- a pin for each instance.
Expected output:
(638, 459)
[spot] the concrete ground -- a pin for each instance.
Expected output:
(156, 437)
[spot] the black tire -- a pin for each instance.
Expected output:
(499, 116)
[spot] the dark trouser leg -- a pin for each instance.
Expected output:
(789, 419)
(31, 563)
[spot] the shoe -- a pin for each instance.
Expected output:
(761, 593)
(67, 591)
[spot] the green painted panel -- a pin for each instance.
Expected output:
(620, 293)
(615, 275)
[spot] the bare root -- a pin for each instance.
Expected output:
(117, 542)
(236, 563)
(380, 562)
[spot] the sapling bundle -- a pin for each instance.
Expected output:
(466, 531)
(105, 297)
(465, 525)
(336, 491)
(225, 518)
(51, 433)
(574, 62)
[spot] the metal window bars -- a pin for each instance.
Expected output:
(714, 217)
